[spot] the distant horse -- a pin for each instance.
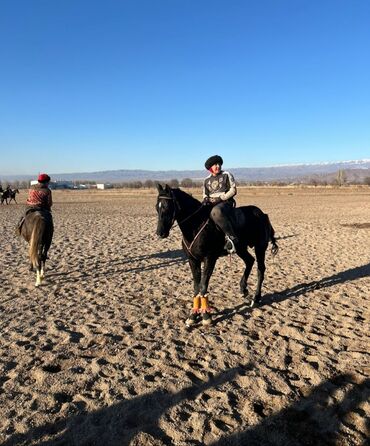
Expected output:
(8, 194)
(12, 194)
(4, 196)
(204, 242)
(37, 229)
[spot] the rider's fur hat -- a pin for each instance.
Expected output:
(43, 178)
(215, 159)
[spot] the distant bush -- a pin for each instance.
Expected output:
(187, 182)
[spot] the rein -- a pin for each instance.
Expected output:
(188, 247)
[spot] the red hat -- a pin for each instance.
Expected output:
(43, 178)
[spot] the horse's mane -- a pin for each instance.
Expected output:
(186, 199)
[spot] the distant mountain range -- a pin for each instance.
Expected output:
(354, 170)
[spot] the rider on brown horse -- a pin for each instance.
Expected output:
(39, 198)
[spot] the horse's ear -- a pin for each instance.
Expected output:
(168, 189)
(159, 187)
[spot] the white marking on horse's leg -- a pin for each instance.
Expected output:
(38, 278)
(42, 273)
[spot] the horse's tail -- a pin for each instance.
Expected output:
(36, 240)
(272, 239)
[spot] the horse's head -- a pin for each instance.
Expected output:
(166, 210)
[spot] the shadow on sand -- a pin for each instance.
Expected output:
(120, 423)
(105, 267)
(295, 292)
(321, 418)
(326, 282)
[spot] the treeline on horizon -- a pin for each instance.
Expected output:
(339, 180)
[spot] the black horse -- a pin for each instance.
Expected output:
(8, 194)
(204, 242)
(12, 194)
(37, 229)
(4, 196)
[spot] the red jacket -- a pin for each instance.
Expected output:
(40, 196)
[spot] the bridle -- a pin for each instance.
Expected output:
(174, 207)
(175, 203)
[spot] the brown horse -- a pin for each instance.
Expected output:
(37, 229)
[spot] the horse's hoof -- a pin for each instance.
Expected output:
(249, 302)
(206, 319)
(193, 319)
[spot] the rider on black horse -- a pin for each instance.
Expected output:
(39, 198)
(218, 191)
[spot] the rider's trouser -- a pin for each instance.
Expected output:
(223, 215)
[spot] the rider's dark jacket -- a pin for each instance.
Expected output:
(221, 186)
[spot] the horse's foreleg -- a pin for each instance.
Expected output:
(196, 271)
(209, 266)
(260, 256)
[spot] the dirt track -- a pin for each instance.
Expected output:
(100, 355)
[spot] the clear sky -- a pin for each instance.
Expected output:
(90, 85)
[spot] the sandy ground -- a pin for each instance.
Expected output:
(100, 354)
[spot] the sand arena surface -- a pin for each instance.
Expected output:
(100, 354)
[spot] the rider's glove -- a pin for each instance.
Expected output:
(216, 200)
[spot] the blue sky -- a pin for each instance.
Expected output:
(162, 84)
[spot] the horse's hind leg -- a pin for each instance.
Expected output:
(248, 260)
(42, 271)
(38, 277)
(40, 267)
(260, 256)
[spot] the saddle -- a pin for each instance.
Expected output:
(45, 213)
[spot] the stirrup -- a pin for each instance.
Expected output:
(229, 245)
